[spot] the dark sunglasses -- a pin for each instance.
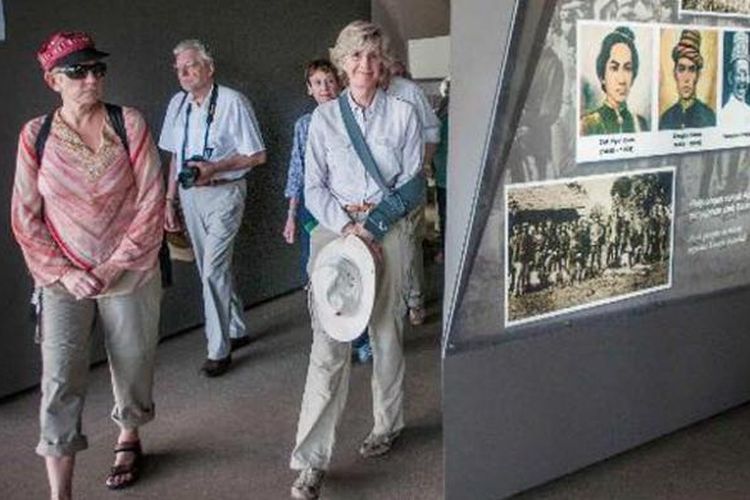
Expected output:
(79, 71)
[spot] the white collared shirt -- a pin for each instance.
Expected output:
(335, 176)
(410, 92)
(235, 129)
(735, 115)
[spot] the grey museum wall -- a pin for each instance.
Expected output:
(260, 48)
(406, 20)
(529, 402)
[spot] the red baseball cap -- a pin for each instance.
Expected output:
(67, 47)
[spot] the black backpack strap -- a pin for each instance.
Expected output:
(41, 138)
(116, 118)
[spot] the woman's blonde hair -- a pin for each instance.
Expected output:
(356, 36)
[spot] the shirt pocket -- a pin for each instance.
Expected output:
(345, 173)
(339, 154)
(387, 156)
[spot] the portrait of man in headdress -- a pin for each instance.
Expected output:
(689, 66)
(736, 112)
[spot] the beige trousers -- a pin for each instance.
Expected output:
(328, 373)
(213, 216)
(413, 261)
(131, 328)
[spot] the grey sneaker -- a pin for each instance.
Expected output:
(307, 485)
(376, 445)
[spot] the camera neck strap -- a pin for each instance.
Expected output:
(206, 153)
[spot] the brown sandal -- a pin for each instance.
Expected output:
(132, 468)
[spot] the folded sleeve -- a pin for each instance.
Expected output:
(44, 258)
(295, 179)
(318, 198)
(167, 140)
(245, 127)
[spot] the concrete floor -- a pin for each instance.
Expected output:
(706, 461)
(230, 437)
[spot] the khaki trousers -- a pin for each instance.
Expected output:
(328, 372)
(413, 261)
(131, 332)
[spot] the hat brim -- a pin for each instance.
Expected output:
(345, 328)
(79, 57)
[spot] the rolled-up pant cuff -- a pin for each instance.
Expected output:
(47, 449)
(131, 420)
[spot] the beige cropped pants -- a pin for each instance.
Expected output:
(131, 331)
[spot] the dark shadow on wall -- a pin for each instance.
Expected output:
(260, 48)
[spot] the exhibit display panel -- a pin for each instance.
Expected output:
(261, 62)
(624, 91)
(597, 302)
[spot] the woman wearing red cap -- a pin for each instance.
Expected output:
(87, 212)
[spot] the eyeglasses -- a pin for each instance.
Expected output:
(79, 71)
(186, 67)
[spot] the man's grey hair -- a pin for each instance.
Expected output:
(196, 45)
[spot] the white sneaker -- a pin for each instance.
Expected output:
(308, 483)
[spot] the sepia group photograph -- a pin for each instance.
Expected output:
(577, 243)
(737, 8)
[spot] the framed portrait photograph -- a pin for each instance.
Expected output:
(688, 61)
(734, 114)
(614, 65)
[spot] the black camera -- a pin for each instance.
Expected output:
(189, 174)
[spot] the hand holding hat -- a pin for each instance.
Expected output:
(343, 286)
(358, 229)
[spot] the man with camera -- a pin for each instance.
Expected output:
(214, 138)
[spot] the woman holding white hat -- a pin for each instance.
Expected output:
(363, 163)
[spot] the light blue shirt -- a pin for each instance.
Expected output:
(335, 176)
(235, 129)
(295, 177)
(408, 91)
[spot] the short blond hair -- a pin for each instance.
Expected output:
(356, 36)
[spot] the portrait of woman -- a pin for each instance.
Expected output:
(617, 65)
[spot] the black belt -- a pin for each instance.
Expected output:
(221, 182)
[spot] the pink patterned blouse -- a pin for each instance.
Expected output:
(82, 208)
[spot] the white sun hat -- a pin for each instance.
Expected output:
(343, 287)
